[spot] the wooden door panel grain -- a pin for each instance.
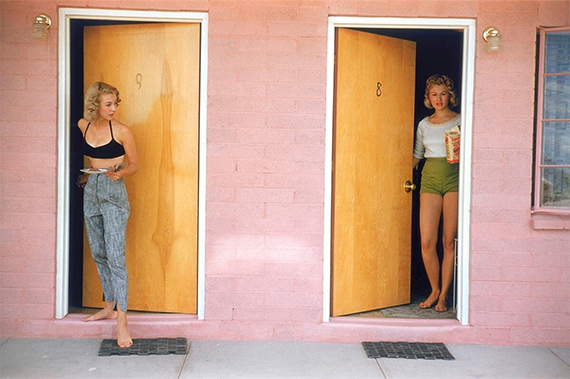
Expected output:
(156, 69)
(373, 141)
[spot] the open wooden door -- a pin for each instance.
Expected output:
(373, 145)
(156, 69)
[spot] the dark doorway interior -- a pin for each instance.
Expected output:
(438, 51)
(76, 163)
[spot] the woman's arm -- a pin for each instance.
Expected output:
(126, 138)
(82, 178)
(82, 124)
(419, 148)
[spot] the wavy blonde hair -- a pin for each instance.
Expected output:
(436, 80)
(93, 97)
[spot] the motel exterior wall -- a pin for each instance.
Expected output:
(265, 178)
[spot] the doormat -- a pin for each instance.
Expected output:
(408, 350)
(145, 346)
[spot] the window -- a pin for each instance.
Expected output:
(552, 175)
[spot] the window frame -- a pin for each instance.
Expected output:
(539, 122)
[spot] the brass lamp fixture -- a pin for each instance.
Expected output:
(41, 24)
(492, 36)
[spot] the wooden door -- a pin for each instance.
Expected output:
(373, 145)
(156, 69)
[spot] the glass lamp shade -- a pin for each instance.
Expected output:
(40, 26)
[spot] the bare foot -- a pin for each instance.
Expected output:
(441, 305)
(103, 314)
(428, 303)
(123, 336)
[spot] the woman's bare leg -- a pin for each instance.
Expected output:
(430, 212)
(106, 313)
(450, 205)
(123, 336)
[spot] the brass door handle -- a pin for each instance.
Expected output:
(409, 186)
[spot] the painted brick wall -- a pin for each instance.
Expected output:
(265, 173)
(28, 159)
(266, 151)
(519, 276)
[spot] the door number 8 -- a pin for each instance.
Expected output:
(378, 90)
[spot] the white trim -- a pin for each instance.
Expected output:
(468, 75)
(202, 167)
(62, 254)
(329, 109)
(62, 242)
(466, 151)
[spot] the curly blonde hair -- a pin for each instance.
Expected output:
(438, 79)
(93, 96)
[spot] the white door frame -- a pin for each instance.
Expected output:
(467, 90)
(64, 125)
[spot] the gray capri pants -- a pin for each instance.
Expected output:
(106, 210)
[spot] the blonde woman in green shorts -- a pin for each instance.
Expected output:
(439, 187)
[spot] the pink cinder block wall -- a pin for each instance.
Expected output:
(265, 178)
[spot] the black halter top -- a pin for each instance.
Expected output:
(111, 150)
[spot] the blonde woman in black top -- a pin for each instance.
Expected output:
(111, 149)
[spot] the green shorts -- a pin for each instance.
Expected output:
(439, 177)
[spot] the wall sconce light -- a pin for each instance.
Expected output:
(41, 24)
(492, 36)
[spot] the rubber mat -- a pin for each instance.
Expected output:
(408, 350)
(145, 346)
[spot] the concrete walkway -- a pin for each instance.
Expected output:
(77, 358)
